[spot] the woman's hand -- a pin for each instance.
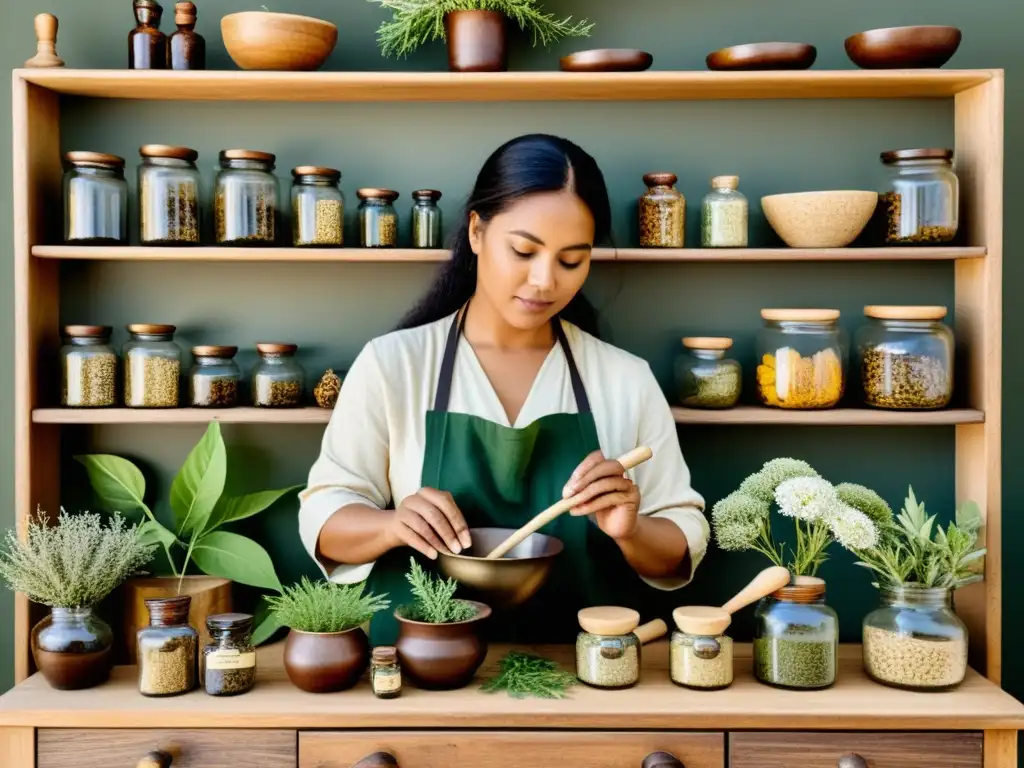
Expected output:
(607, 493)
(429, 522)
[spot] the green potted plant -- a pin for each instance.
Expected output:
(475, 30)
(327, 649)
(70, 567)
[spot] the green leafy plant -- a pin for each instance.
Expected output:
(415, 22)
(325, 607)
(434, 599)
(76, 563)
(525, 674)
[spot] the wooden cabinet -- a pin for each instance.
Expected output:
(855, 750)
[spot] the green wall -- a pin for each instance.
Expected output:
(331, 309)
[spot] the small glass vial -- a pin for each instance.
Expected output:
(922, 197)
(705, 377)
(378, 219)
(662, 213)
(386, 673)
(229, 661)
(88, 367)
(318, 207)
(95, 199)
(426, 219)
(186, 48)
(608, 650)
(168, 649)
(147, 45)
(278, 379)
(246, 198)
(152, 367)
(724, 214)
(215, 378)
(169, 185)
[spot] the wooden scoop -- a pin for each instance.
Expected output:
(613, 620)
(628, 461)
(708, 621)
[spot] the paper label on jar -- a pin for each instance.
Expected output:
(231, 660)
(385, 683)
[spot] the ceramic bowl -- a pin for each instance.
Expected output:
(326, 662)
(763, 56)
(826, 219)
(918, 47)
(278, 41)
(442, 657)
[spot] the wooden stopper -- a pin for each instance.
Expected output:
(46, 43)
(703, 620)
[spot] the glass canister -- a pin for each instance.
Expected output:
(386, 673)
(318, 207)
(152, 367)
(915, 640)
(229, 660)
(426, 219)
(906, 358)
(215, 378)
(662, 213)
(169, 196)
(705, 377)
(88, 367)
(796, 637)
(246, 198)
(378, 219)
(95, 199)
(724, 214)
(278, 379)
(608, 649)
(701, 654)
(168, 648)
(802, 358)
(922, 197)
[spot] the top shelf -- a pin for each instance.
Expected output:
(229, 85)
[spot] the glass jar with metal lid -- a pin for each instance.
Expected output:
(426, 219)
(246, 198)
(169, 195)
(318, 207)
(278, 379)
(95, 199)
(229, 660)
(152, 367)
(705, 377)
(88, 367)
(724, 214)
(378, 219)
(922, 197)
(802, 357)
(215, 377)
(662, 213)
(796, 637)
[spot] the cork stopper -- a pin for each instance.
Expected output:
(725, 182)
(800, 315)
(385, 654)
(169, 611)
(224, 353)
(702, 620)
(185, 14)
(707, 342)
(608, 620)
(88, 331)
(660, 179)
(46, 43)
(274, 349)
(904, 313)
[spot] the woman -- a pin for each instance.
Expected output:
(493, 393)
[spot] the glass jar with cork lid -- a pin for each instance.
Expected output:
(95, 199)
(608, 648)
(169, 195)
(318, 207)
(152, 366)
(705, 377)
(386, 673)
(662, 213)
(802, 357)
(88, 367)
(921, 198)
(215, 378)
(378, 219)
(277, 379)
(724, 214)
(229, 660)
(168, 656)
(246, 198)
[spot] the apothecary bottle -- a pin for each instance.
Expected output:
(796, 637)
(702, 662)
(921, 197)
(95, 199)
(705, 377)
(152, 366)
(229, 659)
(318, 207)
(724, 214)
(906, 357)
(168, 649)
(147, 45)
(186, 48)
(88, 367)
(277, 379)
(378, 219)
(802, 358)
(169, 196)
(215, 378)
(246, 198)
(426, 219)
(608, 653)
(915, 640)
(662, 213)
(386, 673)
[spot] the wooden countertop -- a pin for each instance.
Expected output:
(854, 702)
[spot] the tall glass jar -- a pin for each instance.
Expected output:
(88, 366)
(378, 219)
(724, 214)
(922, 197)
(796, 637)
(318, 207)
(277, 380)
(915, 640)
(215, 378)
(95, 199)
(426, 219)
(906, 357)
(168, 649)
(662, 213)
(229, 660)
(169, 196)
(152, 367)
(802, 357)
(705, 377)
(72, 648)
(246, 198)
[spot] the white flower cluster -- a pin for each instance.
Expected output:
(813, 499)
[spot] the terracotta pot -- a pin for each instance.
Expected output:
(442, 656)
(72, 648)
(477, 41)
(326, 662)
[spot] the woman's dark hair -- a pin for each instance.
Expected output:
(523, 166)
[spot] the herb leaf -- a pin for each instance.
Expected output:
(524, 674)
(435, 601)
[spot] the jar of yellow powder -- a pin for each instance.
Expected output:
(802, 358)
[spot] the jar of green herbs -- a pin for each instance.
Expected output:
(796, 637)
(705, 377)
(229, 660)
(724, 214)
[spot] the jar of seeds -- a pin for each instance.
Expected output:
(802, 356)
(278, 379)
(215, 378)
(426, 219)
(378, 219)
(906, 358)
(246, 198)
(95, 199)
(796, 637)
(229, 661)
(662, 213)
(705, 377)
(318, 207)
(168, 649)
(169, 200)
(700, 661)
(608, 650)
(88, 366)
(386, 673)
(921, 198)
(152, 367)
(724, 214)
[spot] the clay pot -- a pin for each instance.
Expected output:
(442, 657)
(477, 41)
(72, 648)
(326, 662)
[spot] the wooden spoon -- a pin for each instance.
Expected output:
(611, 620)
(628, 461)
(709, 621)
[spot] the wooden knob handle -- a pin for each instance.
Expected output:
(46, 28)
(378, 760)
(155, 759)
(662, 760)
(651, 631)
(852, 760)
(766, 582)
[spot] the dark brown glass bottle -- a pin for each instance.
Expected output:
(186, 48)
(147, 45)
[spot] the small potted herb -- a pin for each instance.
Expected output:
(440, 638)
(327, 649)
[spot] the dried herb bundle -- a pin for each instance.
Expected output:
(524, 674)
(435, 601)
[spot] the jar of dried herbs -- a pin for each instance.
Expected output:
(88, 366)
(426, 219)
(229, 660)
(608, 650)
(802, 356)
(168, 649)
(702, 662)
(152, 367)
(169, 199)
(246, 198)
(796, 637)
(95, 199)
(705, 377)
(318, 207)
(278, 379)
(921, 198)
(386, 673)
(724, 214)
(662, 213)
(215, 378)
(378, 219)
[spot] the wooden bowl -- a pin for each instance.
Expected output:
(827, 219)
(278, 41)
(919, 47)
(763, 56)
(607, 60)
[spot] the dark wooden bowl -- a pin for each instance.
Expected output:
(607, 60)
(763, 56)
(326, 662)
(922, 47)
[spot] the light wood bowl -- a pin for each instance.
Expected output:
(827, 219)
(278, 41)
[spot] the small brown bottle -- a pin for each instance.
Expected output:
(186, 48)
(147, 45)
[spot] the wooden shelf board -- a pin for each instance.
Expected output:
(838, 417)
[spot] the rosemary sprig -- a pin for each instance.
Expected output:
(435, 601)
(525, 674)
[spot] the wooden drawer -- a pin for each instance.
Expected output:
(483, 749)
(205, 748)
(841, 750)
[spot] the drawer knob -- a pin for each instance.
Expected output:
(852, 760)
(155, 759)
(378, 760)
(664, 760)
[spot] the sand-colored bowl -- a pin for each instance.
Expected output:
(278, 41)
(826, 219)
